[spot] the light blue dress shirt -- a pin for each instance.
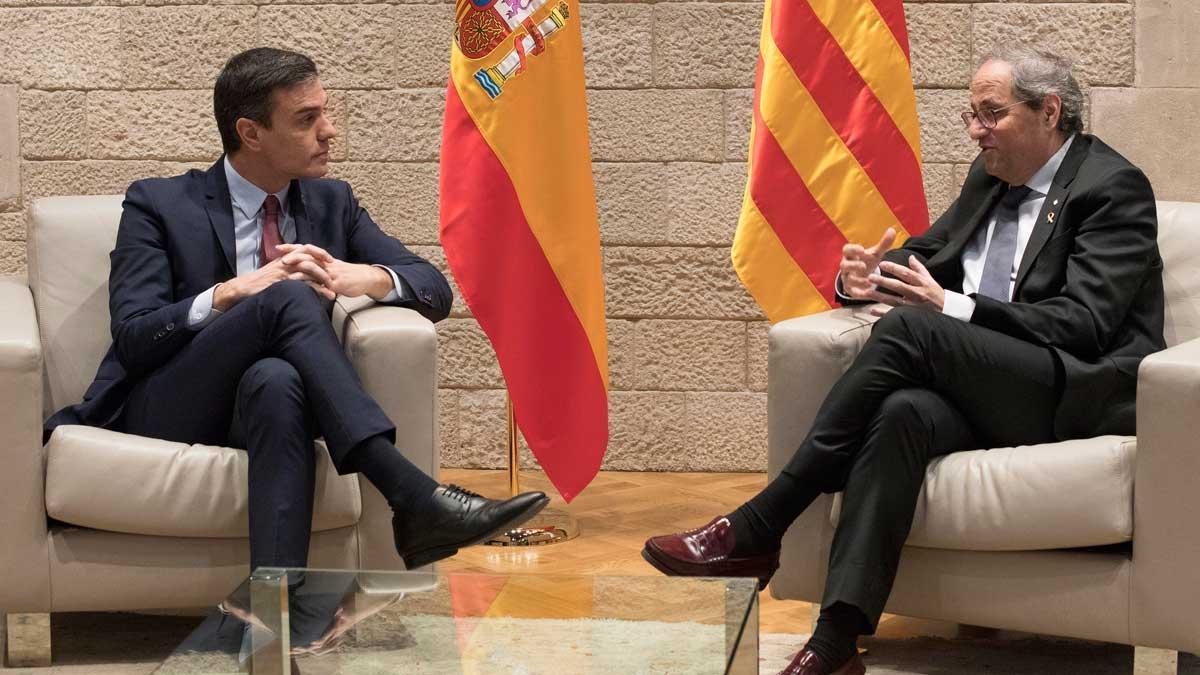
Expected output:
(248, 216)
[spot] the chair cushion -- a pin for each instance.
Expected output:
(1057, 495)
(108, 480)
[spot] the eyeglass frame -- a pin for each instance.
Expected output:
(968, 116)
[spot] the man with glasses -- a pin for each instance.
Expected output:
(1019, 318)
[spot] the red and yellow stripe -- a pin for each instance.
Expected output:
(835, 149)
(519, 228)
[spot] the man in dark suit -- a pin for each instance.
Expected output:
(1019, 318)
(220, 292)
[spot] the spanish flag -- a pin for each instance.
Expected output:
(835, 149)
(518, 222)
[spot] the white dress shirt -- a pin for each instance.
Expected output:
(248, 217)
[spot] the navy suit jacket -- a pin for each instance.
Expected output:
(176, 240)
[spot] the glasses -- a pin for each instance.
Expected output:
(987, 116)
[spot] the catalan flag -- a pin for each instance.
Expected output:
(835, 149)
(518, 222)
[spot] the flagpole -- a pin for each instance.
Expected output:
(551, 526)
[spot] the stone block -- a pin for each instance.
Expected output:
(725, 432)
(12, 257)
(447, 408)
(739, 112)
(12, 226)
(423, 36)
(678, 355)
(645, 430)
(1099, 37)
(943, 137)
(400, 125)
(1120, 117)
(657, 125)
(617, 44)
(354, 45)
(173, 125)
(1167, 55)
(685, 203)
(53, 124)
(940, 44)
(940, 188)
(465, 356)
(50, 179)
(622, 354)
(669, 282)
(757, 352)
(401, 197)
(10, 150)
(706, 44)
(482, 432)
(62, 48)
(182, 47)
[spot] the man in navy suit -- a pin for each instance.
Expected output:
(220, 290)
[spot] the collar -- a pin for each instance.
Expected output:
(248, 197)
(1041, 181)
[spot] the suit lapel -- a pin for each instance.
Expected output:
(962, 235)
(300, 213)
(1043, 227)
(220, 211)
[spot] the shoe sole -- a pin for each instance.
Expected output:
(662, 566)
(432, 555)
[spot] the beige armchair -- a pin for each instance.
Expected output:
(100, 520)
(1093, 539)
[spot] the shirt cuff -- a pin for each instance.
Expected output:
(958, 306)
(397, 292)
(202, 312)
(839, 291)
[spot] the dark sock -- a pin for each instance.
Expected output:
(405, 486)
(759, 524)
(835, 638)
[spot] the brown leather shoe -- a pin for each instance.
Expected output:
(808, 663)
(704, 552)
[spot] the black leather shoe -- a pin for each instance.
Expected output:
(456, 518)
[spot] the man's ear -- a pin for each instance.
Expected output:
(248, 130)
(1052, 109)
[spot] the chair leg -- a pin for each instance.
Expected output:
(28, 644)
(1149, 661)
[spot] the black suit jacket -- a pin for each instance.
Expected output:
(1089, 285)
(176, 240)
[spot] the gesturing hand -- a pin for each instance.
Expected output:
(912, 285)
(859, 263)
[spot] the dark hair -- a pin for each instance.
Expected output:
(245, 85)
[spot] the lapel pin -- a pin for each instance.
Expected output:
(1055, 202)
(1050, 217)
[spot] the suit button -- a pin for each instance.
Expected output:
(170, 327)
(427, 296)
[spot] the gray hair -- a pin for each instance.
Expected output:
(1038, 72)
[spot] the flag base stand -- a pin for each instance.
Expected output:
(551, 526)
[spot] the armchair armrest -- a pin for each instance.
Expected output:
(394, 352)
(1166, 501)
(806, 357)
(23, 555)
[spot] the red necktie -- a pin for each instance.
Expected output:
(270, 232)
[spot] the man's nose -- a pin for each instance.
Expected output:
(976, 130)
(327, 131)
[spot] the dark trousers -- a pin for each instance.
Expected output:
(924, 385)
(268, 375)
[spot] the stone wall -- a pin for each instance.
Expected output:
(95, 93)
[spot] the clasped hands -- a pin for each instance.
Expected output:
(909, 286)
(313, 265)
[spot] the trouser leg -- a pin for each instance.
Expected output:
(1006, 389)
(271, 418)
(191, 398)
(911, 427)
